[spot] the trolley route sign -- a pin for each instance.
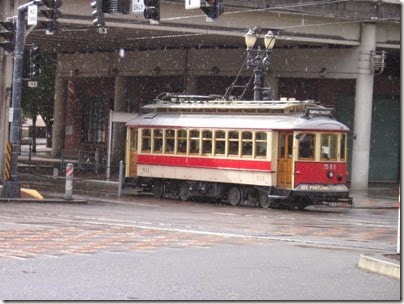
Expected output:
(308, 187)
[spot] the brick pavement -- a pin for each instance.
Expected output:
(57, 241)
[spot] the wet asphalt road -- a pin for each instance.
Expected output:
(144, 248)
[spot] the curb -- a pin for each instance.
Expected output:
(381, 265)
(47, 201)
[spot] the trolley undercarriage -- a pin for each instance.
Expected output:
(234, 194)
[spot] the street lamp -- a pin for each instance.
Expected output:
(261, 61)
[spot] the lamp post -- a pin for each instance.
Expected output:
(258, 59)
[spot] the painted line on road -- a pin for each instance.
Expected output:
(227, 214)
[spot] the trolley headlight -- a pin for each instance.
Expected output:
(330, 174)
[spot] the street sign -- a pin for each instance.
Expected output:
(10, 114)
(32, 15)
(33, 84)
(138, 6)
(191, 4)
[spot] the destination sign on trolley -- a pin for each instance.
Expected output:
(308, 187)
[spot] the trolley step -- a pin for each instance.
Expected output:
(277, 196)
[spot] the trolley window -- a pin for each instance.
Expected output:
(181, 142)
(170, 141)
(260, 145)
(194, 140)
(329, 146)
(157, 141)
(146, 140)
(220, 142)
(207, 142)
(247, 144)
(233, 143)
(342, 148)
(133, 139)
(306, 146)
(282, 145)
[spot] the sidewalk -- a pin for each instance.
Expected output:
(377, 196)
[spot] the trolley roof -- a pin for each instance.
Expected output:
(214, 114)
(256, 122)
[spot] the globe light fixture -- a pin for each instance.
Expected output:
(269, 40)
(250, 38)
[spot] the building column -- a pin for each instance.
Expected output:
(363, 110)
(119, 130)
(59, 115)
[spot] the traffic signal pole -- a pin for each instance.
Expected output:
(11, 187)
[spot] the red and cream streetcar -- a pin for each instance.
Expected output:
(284, 153)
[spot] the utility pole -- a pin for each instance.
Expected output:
(11, 187)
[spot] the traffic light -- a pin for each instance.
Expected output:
(52, 13)
(116, 6)
(152, 10)
(212, 8)
(98, 13)
(123, 6)
(7, 32)
(34, 58)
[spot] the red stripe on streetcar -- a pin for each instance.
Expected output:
(204, 162)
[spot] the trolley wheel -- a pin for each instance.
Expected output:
(264, 201)
(183, 192)
(303, 203)
(235, 196)
(158, 189)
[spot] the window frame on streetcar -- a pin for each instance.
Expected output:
(194, 139)
(181, 142)
(157, 140)
(247, 144)
(133, 138)
(222, 141)
(194, 142)
(312, 147)
(207, 142)
(169, 141)
(260, 143)
(146, 140)
(328, 141)
(233, 143)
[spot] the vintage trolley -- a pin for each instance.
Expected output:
(284, 153)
